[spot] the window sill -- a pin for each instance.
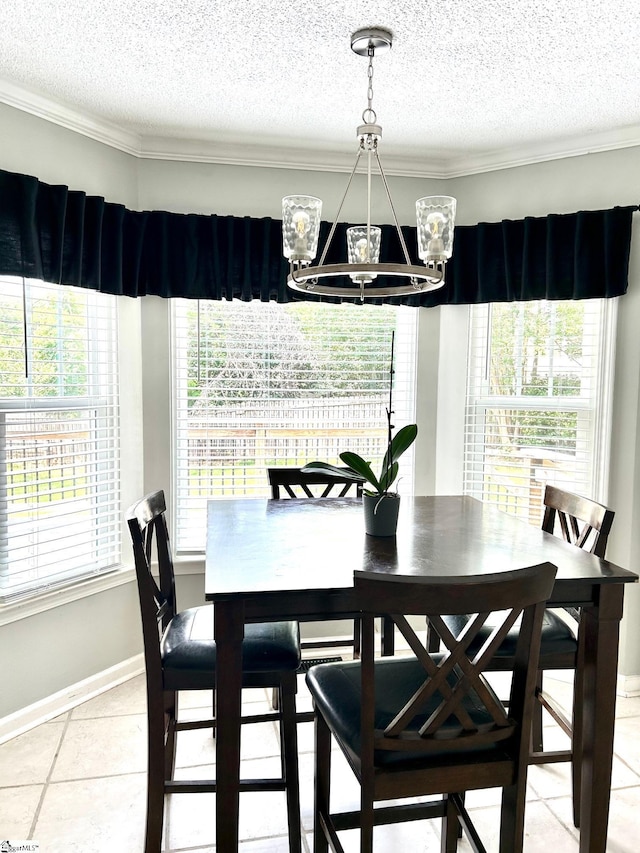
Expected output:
(191, 564)
(40, 602)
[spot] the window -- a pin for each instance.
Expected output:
(260, 384)
(59, 484)
(539, 379)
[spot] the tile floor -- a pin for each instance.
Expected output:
(77, 785)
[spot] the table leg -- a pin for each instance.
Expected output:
(228, 632)
(601, 631)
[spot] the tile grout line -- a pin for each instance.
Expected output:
(306, 834)
(167, 822)
(45, 787)
(563, 824)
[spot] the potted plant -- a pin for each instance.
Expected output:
(381, 506)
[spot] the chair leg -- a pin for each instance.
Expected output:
(155, 807)
(512, 817)
(170, 717)
(461, 797)
(576, 729)
(157, 762)
(536, 719)
(433, 640)
(357, 625)
(450, 831)
(214, 714)
(367, 814)
(388, 638)
(322, 783)
(275, 699)
(289, 757)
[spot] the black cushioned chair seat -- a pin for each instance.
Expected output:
(557, 636)
(336, 691)
(189, 651)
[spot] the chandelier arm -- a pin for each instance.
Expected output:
(335, 221)
(393, 211)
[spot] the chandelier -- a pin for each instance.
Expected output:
(435, 217)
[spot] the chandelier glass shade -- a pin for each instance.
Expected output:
(301, 217)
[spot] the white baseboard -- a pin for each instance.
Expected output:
(52, 706)
(628, 686)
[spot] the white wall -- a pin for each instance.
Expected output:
(56, 648)
(248, 191)
(32, 146)
(590, 182)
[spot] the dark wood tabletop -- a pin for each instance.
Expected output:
(275, 559)
(261, 546)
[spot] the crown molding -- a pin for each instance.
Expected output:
(281, 157)
(527, 155)
(412, 164)
(63, 116)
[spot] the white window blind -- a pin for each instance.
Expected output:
(59, 445)
(261, 384)
(538, 395)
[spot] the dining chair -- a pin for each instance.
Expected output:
(180, 654)
(586, 524)
(293, 483)
(429, 723)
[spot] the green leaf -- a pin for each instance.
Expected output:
(388, 477)
(401, 441)
(332, 470)
(360, 467)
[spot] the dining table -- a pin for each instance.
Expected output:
(270, 560)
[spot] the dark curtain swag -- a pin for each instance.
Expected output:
(64, 236)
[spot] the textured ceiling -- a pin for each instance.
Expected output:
(467, 83)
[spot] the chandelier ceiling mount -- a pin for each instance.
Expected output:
(371, 38)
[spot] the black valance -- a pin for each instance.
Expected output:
(63, 236)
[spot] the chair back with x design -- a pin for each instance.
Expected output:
(148, 527)
(452, 705)
(580, 521)
(430, 723)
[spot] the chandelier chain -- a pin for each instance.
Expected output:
(369, 115)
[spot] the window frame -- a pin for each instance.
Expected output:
(408, 415)
(101, 411)
(599, 405)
